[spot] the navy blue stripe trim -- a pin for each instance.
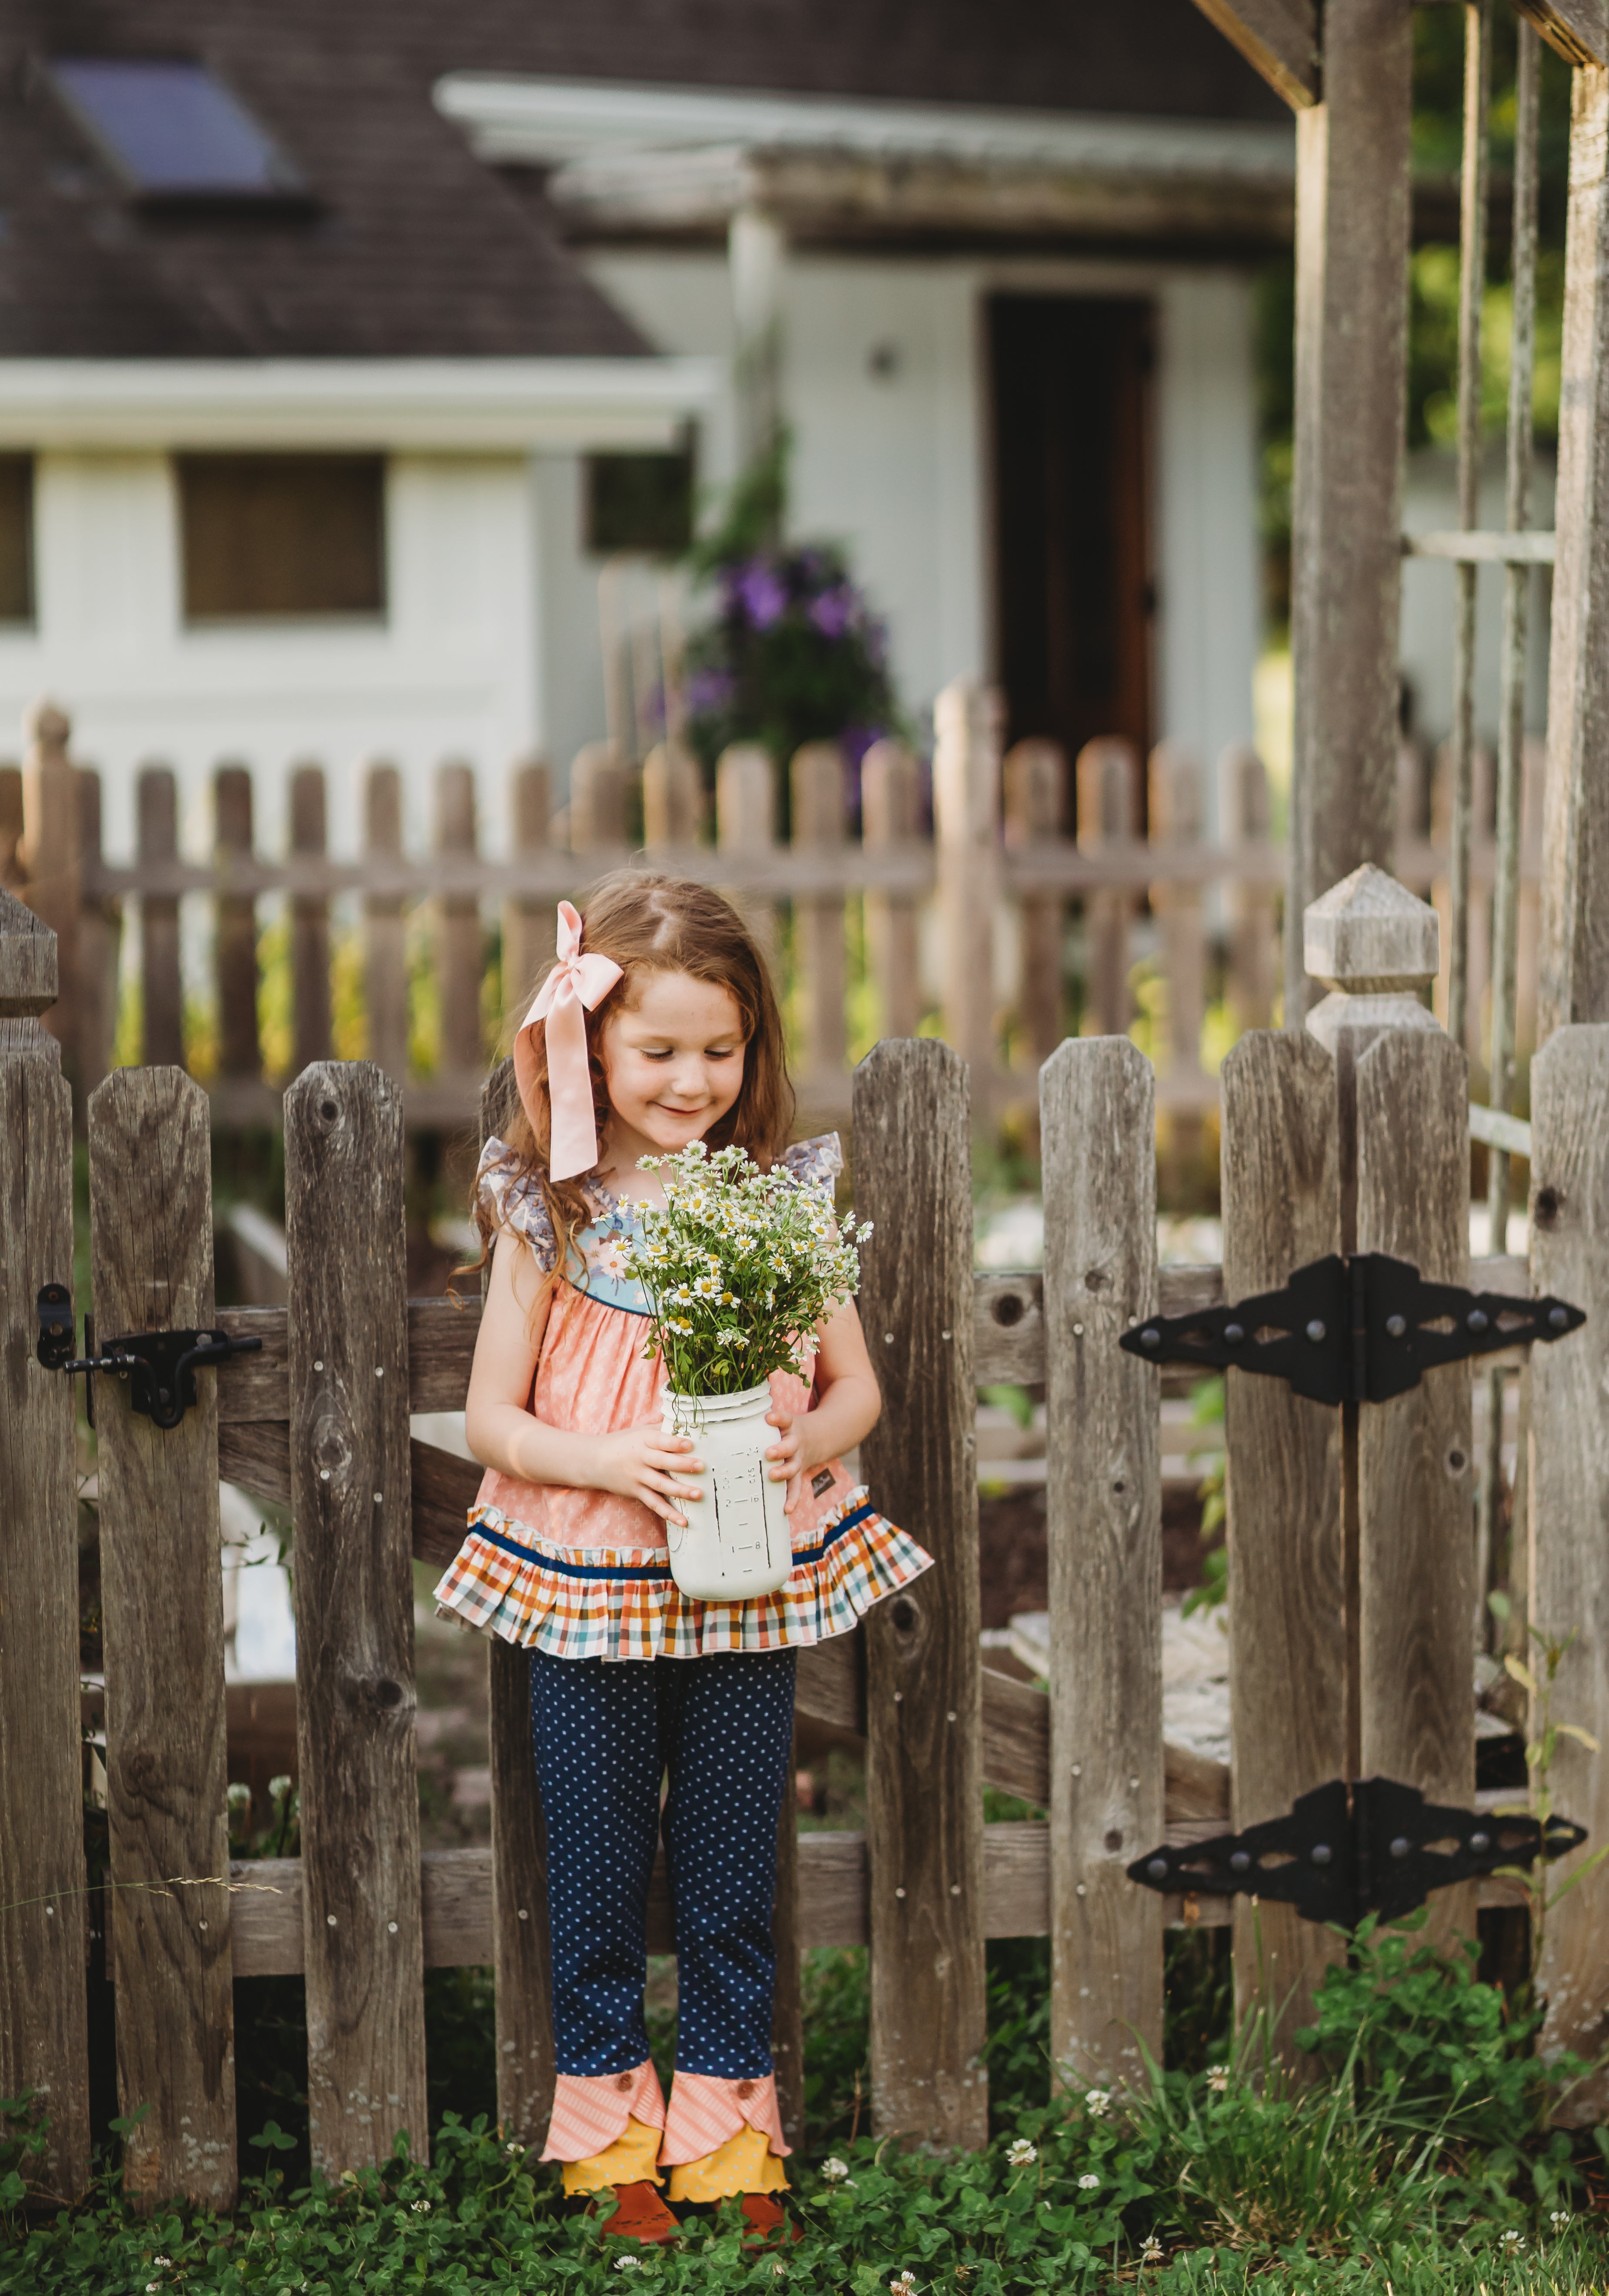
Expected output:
(651, 1572)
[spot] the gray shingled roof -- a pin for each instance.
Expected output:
(414, 248)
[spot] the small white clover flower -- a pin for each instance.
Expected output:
(421, 2208)
(1559, 2218)
(1088, 2184)
(278, 1788)
(834, 2170)
(1097, 2101)
(1019, 2153)
(515, 2147)
(1513, 2242)
(905, 2284)
(628, 2263)
(1151, 2252)
(150, 2287)
(1218, 2078)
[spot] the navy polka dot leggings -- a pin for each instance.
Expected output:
(605, 1732)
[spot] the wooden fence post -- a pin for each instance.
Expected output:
(100, 926)
(458, 936)
(385, 965)
(168, 1906)
(156, 804)
(42, 1924)
(597, 801)
(11, 874)
(49, 855)
(818, 943)
(1108, 775)
(529, 926)
(673, 797)
(1097, 1133)
(1243, 819)
(1288, 1674)
(520, 1936)
(1176, 816)
(890, 815)
(1035, 778)
(351, 1499)
(309, 927)
(966, 833)
(234, 929)
(925, 1791)
(1569, 1514)
(745, 824)
(1402, 1090)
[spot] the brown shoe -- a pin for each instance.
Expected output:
(640, 2214)
(766, 2219)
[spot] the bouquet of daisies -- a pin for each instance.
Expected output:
(738, 1268)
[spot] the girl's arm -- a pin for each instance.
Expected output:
(637, 1463)
(848, 1406)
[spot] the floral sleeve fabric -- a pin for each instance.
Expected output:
(515, 1201)
(817, 1162)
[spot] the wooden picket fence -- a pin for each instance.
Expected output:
(1350, 1550)
(997, 839)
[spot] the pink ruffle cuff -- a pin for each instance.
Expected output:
(707, 2111)
(590, 2112)
(590, 2109)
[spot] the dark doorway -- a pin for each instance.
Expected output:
(1070, 386)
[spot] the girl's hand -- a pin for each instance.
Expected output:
(791, 1461)
(644, 1463)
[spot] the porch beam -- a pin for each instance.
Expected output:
(1279, 38)
(1578, 28)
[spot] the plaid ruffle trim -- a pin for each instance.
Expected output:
(622, 1602)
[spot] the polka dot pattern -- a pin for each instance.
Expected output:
(605, 1733)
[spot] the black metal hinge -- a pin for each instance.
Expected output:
(1352, 1331)
(1344, 1851)
(159, 1366)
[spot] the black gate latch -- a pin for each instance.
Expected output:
(1374, 1847)
(159, 1366)
(1352, 1331)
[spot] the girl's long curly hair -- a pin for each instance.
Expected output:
(647, 924)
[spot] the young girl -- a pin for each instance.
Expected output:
(656, 1027)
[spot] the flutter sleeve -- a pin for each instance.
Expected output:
(817, 1162)
(513, 1200)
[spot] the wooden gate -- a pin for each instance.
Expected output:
(1350, 1538)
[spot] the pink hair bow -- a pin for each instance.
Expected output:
(574, 982)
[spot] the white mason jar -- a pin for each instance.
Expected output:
(737, 1542)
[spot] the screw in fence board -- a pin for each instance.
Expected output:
(309, 927)
(459, 952)
(924, 1798)
(819, 826)
(234, 942)
(1175, 816)
(673, 797)
(10, 827)
(100, 929)
(1569, 1514)
(385, 971)
(745, 824)
(353, 1577)
(1035, 780)
(520, 1936)
(156, 809)
(890, 815)
(1409, 1476)
(43, 2035)
(967, 721)
(529, 926)
(1097, 1136)
(169, 1908)
(49, 856)
(1288, 1674)
(1108, 774)
(1253, 951)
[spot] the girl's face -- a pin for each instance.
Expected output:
(673, 1063)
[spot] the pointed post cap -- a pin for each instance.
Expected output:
(28, 962)
(1376, 946)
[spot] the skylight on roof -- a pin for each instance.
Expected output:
(171, 129)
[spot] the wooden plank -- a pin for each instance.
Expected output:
(673, 799)
(967, 721)
(162, 1594)
(385, 973)
(1035, 783)
(1569, 1514)
(309, 928)
(890, 818)
(530, 927)
(1108, 774)
(156, 810)
(745, 830)
(43, 1928)
(234, 929)
(443, 1488)
(1103, 1487)
(1174, 782)
(353, 1579)
(1576, 30)
(818, 822)
(1279, 38)
(1288, 1618)
(50, 861)
(1574, 953)
(1415, 1454)
(458, 926)
(10, 827)
(99, 932)
(1253, 951)
(924, 1803)
(1353, 216)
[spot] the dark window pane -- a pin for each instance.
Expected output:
(639, 502)
(16, 539)
(171, 129)
(283, 534)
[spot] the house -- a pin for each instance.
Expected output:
(354, 362)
